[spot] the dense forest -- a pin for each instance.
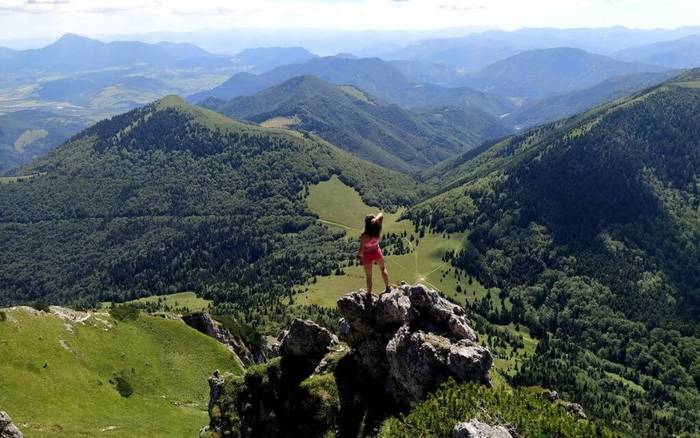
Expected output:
(590, 228)
(170, 197)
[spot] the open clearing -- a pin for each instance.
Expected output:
(338, 205)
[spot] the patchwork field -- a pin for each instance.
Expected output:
(60, 372)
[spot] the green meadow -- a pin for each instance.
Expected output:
(59, 377)
(340, 206)
(188, 301)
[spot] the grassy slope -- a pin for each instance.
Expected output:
(71, 396)
(338, 205)
(181, 300)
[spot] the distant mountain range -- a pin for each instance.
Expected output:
(364, 125)
(542, 73)
(74, 53)
(680, 53)
(372, 75)
(475, 51)
(259, 60)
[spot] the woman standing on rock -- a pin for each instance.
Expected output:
(370, 252)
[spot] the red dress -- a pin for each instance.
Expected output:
(371, 252)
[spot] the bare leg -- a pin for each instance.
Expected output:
(368, 277)
(385, 274)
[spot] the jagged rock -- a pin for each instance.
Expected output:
(7, 428)
(550, 395)
(248, 354)
(574, 409)
(469, 361)
(392, 309)
(430, 307)
(306, 339)
(216, 387)
(410, 340)
(477, 429)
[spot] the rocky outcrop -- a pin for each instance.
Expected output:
(401, 345)
(216, 387)
(7, 428)
(306, 339)
(477, 429)
(574, 409)
(409, 341)
(292, 395)
(260, 352)
(550, 395)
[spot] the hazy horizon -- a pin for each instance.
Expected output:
(42, 20)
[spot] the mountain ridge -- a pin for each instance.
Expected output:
(543, 73)
(362, 124)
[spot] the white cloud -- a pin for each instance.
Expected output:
(32, 18)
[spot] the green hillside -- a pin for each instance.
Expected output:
(60, 374)
(171, 197)
(365, 126)
(590, 227)
(27, 134)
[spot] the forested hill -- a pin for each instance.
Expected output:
(368, 127)
(171, 197)
(590, 227)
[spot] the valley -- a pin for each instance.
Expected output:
(170, 209)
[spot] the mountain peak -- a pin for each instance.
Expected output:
(72, 38)
(171, 102)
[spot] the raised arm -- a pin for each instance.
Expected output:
(378, 218)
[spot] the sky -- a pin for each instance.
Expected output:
(23, 19)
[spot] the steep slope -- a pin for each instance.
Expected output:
(567, 105)
(174, 197)
(24, 135)
(591, 228)
(546, 72)
(377, 77)
(73, 52)
(361, 124)
(680, 53)
(68, 374)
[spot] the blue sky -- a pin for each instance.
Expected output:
(49, 18)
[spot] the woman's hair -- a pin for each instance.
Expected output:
(372, 229)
